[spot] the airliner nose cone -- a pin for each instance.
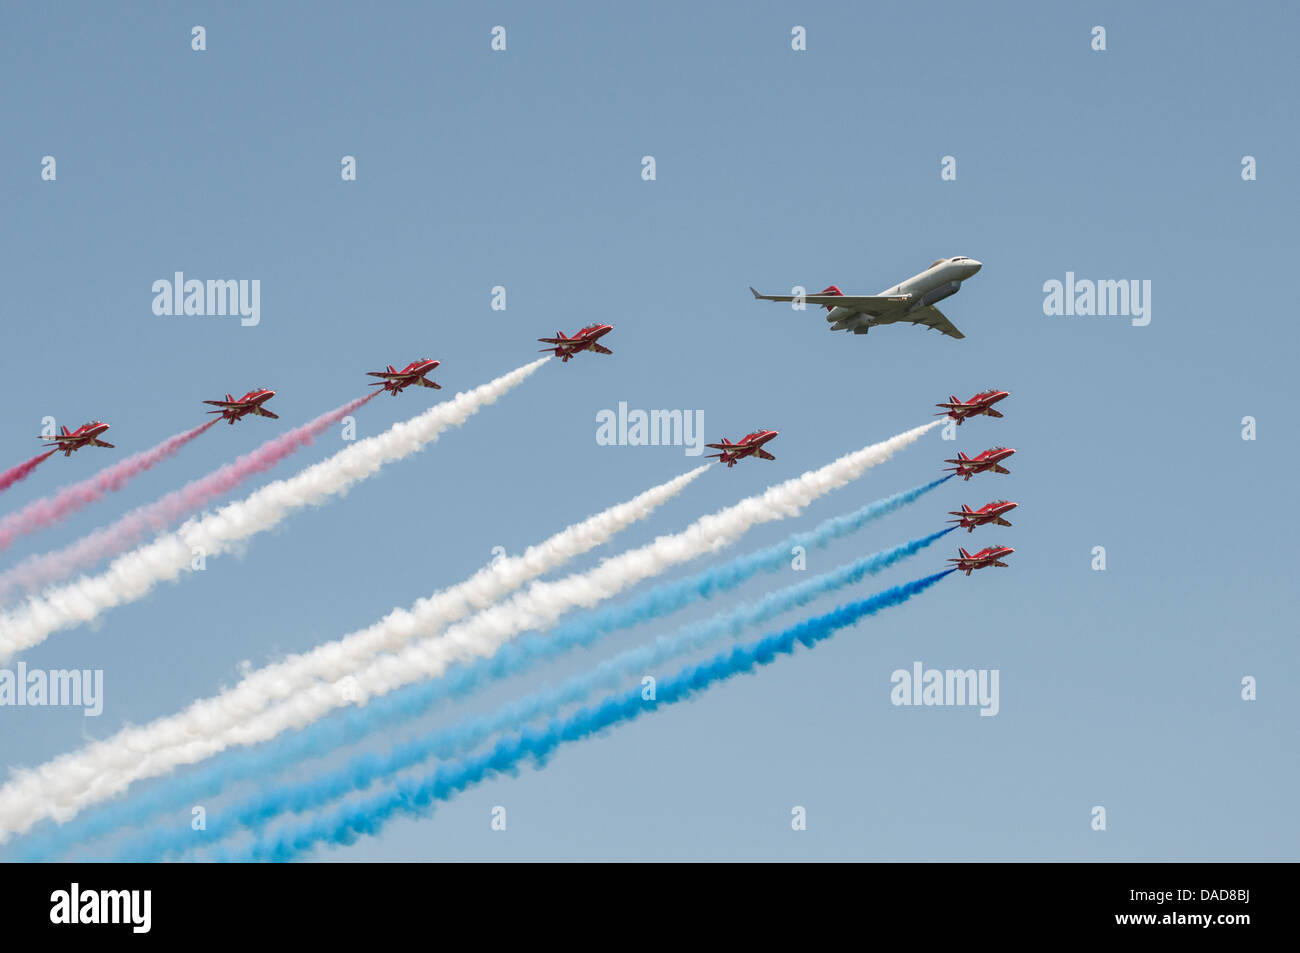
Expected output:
(977, 265)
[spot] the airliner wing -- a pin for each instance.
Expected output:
(866, 304)
(932, 317)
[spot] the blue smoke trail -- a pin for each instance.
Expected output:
(364, 770)
(415, 796)
(345, 727)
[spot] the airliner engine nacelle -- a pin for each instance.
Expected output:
(936, 295)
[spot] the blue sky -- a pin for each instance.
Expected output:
(774, 168)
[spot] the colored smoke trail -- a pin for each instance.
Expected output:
(20, 472)
(416, 796)
(414, 700)
(133, 575)
(62, 787)
(276, 681)
(363, 771)
(45, 512)
(112, 540)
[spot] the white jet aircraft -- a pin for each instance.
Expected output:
(912, 300)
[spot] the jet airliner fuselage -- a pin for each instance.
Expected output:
(912, 300)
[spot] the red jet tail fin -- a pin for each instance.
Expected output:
(229, 399)
(832, 290)
(952, 399)
(391, 369)
(66, 431)
(964, 554)
(966, 509)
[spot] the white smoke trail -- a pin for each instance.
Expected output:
(65, 785)
(427, 617)
(133, 574)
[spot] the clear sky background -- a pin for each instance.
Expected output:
(775, 168)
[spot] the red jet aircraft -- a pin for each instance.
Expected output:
(748, 445)
(988, 556)
(83, 436)
(585, 340)
(981, 404)
(967, 467)
(251, 403)
(988, 513)
(413, 373)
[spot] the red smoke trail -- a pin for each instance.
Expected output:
(51, 509)
(154, 517)
(14, 474)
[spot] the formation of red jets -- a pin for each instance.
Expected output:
(752, 444)
(588, 339)
(990, 461)
(994, 513)
(236, 408)
(392, 380)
